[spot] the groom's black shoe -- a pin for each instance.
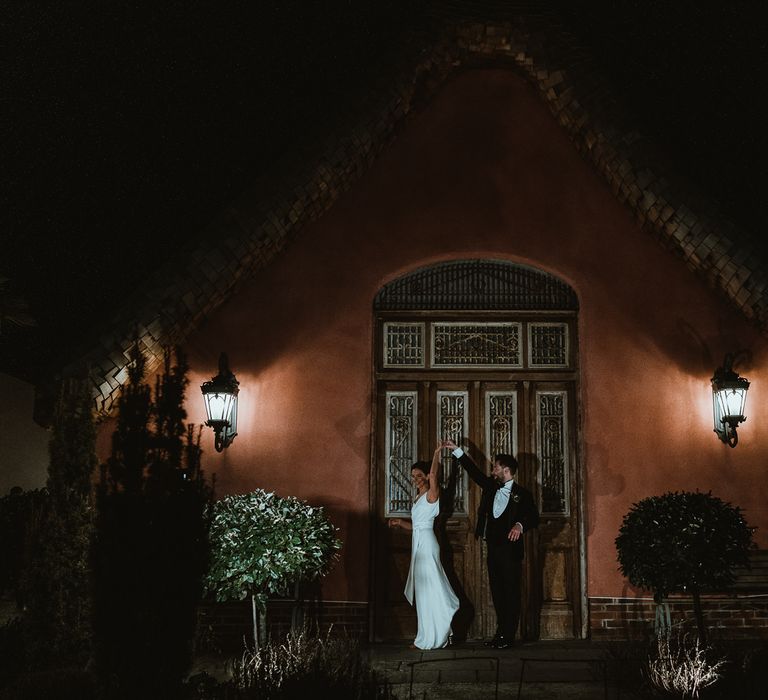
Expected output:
(503, 642)
(492, 642)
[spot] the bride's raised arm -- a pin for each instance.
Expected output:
(434, 476)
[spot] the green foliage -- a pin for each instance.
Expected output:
(262, 543)
(72, 447)
(48, 555)
(683, 542)
(20, 517)
(45, 541)
(61, 683)
(12, 654)
(680, 667)
(642, 669)
(306, 665)
(151, 550)
(126, 465)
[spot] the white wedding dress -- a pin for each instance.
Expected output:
(427, 584)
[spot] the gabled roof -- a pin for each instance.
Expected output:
(251, 232)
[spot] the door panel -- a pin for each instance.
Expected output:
(527, 419)
(450, 416)
(555, 577)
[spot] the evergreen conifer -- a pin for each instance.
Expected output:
(152, 547)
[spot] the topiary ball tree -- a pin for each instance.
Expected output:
(261, 543)
(683, 542)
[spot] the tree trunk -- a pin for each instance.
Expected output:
(255, 623)
(297, 614)
(662, 623)
(699, 615)
(263, 626)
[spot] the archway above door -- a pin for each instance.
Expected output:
(476, 285)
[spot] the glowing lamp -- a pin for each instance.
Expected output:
(729, 395)
(220, 396)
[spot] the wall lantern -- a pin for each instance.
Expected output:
(220, 395)
(729, 394)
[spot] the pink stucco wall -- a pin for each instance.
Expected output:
(483, 171)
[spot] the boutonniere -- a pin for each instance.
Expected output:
(515, 497)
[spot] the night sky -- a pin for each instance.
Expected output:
(128, 126)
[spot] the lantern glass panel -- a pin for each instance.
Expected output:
(717, 412)
(731, 401)
(231, 431)
(218, 406)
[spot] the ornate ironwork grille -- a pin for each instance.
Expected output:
(452, 424)
(501, 422)
(547, 345)
(552, 441)
(482, 285)
(403, 344)
(456, 344)
(401, 449)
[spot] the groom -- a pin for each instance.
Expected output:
(506, 511)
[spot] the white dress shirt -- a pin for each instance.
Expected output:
(501, 497)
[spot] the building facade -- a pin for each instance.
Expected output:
(363, 325)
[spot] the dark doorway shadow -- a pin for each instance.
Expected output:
(463, 618)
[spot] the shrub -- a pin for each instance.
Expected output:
(262, 543)
(670, 665)
(20, 517)
(680, 666)
(61, 684)
(12, 654)
(56, 579)
(151, 548)
(305, 665)
(747, 671)
(683, 542)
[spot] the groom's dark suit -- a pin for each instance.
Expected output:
(505, 558)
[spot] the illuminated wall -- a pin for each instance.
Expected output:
(484, 171)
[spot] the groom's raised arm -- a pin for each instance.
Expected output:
(482, 480)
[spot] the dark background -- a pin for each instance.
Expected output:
(128, 126)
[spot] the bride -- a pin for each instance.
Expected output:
(427, 584)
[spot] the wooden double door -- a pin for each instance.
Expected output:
(531, 418)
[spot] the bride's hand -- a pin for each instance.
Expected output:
(393, 522)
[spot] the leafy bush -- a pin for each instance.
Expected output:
(61, 684)
(20, 516)
(305, 665)
(12, 654)
(746, 673)
(672, 665)
(45, 540)
(262, 543)
(56, 580)
(680, 666)
(151, 548)
(683, 542)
